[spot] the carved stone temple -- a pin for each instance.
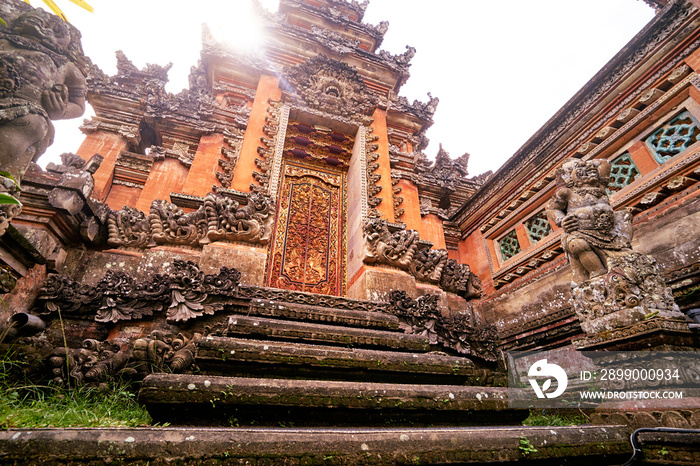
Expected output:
(273, 244)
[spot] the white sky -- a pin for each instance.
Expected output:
(500, 68)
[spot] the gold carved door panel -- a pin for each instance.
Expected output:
(308, 248)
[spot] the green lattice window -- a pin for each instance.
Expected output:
(538, 226)
(623, 171)
(675, 136)
(509, 245)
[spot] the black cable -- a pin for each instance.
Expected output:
(635, 444)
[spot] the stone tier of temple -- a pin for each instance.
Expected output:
(286, 363)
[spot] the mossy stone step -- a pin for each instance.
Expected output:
(217, 351)
(550, 445)
(181, 398)
(323, 333)
(330, 315)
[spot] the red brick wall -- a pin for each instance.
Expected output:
(167, 176)
(108, 145)
(202, 174)
(267, 89)
(120, 196)
(386, 208)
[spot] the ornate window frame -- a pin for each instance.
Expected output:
(663, 132)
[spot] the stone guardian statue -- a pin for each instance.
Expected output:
(42, 78)
(612, 286)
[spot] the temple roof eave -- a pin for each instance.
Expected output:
(541, 152)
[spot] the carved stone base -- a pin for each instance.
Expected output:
(247, 259)
(659, 334)
(376, 283)
(427, 288)
(649, 414)
(630, 292)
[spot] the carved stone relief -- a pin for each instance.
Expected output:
(405, 250)
(230, 153)
(461, 332)
(330, 86)
(183, 293)
(219, 218)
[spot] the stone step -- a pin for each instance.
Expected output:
(555, 445)
(324, 333)
(199, 399)
(221, 354)
(330, 315)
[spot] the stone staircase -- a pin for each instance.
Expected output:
(345, 363)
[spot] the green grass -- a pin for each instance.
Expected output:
(537, 418)
(24, 405)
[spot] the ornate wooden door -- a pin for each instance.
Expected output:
(308, 248)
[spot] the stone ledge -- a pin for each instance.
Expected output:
(320, 333)
(306, 312)
(192, 389)
(254, 446)
(221, 350)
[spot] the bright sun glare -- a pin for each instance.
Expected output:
(237, 25)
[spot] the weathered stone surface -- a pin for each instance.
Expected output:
(25, 292)
(654, 334)
(247, 259)
(184, 292)
(376, 283)
(459, 331)
(685, 448)
(258, 446)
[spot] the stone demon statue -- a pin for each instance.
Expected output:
(592, 231)
(40, 80)
(612, 286)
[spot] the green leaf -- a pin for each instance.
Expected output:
(3, 22)
(8, 175)
(7, 199)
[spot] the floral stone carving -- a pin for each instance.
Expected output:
(458, 279)
(229, 219)
(165, 352)
(458, 331)
(8, 211)
(383, 247)
(94, 361)
(98, 361)
(612, 285)
(405, 250)
(129, 227)
(218, 218)
(171, 225)
(184, 293)
(427, 264)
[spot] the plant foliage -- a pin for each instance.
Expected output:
(25, 405)
(53, 7)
